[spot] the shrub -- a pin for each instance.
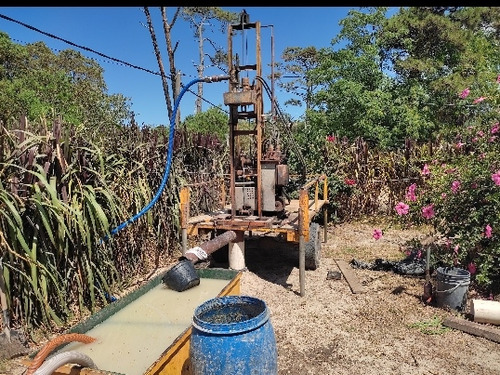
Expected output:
(460, 194)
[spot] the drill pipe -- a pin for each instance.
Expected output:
(213, 245)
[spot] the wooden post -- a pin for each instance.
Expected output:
(184, 207)
(303, 237)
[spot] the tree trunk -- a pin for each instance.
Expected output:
(159, 60)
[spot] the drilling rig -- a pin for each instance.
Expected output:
(258, 170)
(258, 173)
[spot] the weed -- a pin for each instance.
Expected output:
(433, 326)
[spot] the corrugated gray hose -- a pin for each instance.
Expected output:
(60, 359)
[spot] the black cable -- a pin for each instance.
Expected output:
(76, 45)
(101, 54)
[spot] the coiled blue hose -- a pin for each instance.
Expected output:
(168, 162)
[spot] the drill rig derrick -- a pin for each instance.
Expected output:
(257, 177)
(258, 172)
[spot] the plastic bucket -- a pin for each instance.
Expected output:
(182, 276)
(232, 335)
(452, 286)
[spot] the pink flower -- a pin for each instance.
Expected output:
(495, 128)
(410, 194)
(349, 181)
(498, 78)
(492, 139)
(402, 208)
(330, 138)
(480, 133)
(455, 186)
(428, 211)
(472, 268)
(460, 145)
(465, 93)
(479, 100)
(377, 234)
(487, 231)
(455, 250)
(425, 170)
(496, 177)
(443, 195)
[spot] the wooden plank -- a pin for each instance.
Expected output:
(199, 219)
(350, 276)
(476, 329)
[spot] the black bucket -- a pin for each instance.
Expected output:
(452, 286)
(182, 276)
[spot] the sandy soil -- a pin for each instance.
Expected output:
(331, 330)
(382, 331)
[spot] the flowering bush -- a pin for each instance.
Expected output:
(460, 193)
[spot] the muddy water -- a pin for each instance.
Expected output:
(133, 338)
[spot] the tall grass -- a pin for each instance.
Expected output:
(61, 192)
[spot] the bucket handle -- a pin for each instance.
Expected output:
(455, 287)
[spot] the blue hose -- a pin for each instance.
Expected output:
(168, 162)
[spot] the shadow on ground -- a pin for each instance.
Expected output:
(270, 258)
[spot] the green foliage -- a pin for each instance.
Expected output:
(433, 326)
(50, 224)
(460, 186)
(388, 79)
(439, 54)
(292, 73)
(213, 121)
(61, 195)
(37, 83)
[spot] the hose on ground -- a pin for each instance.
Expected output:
(74, 357)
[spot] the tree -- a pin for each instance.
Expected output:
(353, 95)
(38, 83)
(167, 29)
(213, 121)
(439, 51)
(297, 61)
(198, 18)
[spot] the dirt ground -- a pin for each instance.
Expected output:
(386, 330)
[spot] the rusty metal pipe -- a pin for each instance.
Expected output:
(200, 252)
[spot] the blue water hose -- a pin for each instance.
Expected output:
(169, 155)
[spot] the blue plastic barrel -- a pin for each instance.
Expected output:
(233, 335)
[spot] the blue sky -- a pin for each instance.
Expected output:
(120, 32)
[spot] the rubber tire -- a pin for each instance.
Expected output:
(313, 247)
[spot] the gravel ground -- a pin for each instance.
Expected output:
(386, 330)
(331, 330)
